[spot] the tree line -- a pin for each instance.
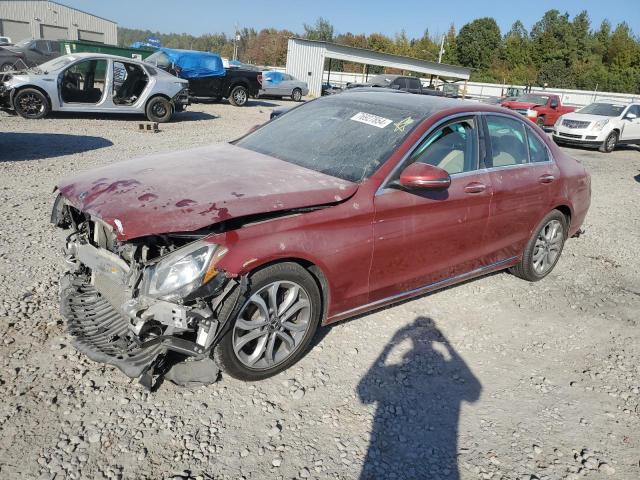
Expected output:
(558, 51)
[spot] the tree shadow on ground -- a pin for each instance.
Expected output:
(18, 146)
(637, 178)
(418, 384)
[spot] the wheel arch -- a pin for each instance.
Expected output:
(565, 209)
(155, 95)
(238, 83)
(16, 90)
(316, 272)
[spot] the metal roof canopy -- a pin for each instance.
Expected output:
(307, 53)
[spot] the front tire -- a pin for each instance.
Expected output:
(159, 110)
(540, 122)
(543, 249)
(296, 95)
(6, 67)
(31, 103)
(239, 96)
(279, 316)
(609, 143)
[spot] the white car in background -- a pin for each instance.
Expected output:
(279, 84)
(94, 83)
(603, 124)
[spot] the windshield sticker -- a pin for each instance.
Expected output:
(402, 124)
(369, 119)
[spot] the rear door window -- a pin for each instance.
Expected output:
(537, 150)
(508, 141)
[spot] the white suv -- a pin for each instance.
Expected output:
(604, 124)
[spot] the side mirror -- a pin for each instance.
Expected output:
(631, 116)
(424, 176)
(554, 104)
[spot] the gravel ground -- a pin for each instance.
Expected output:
(493, 379)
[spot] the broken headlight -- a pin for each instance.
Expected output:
(182, 271)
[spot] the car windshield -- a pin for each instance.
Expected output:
(56, 64)
(537, 99)
(603, 109)
(348, 138)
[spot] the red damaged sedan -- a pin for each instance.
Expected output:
(232, 255)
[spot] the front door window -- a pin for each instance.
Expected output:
(84, 82)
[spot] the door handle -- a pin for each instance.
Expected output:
(475, 187)
(548, 178)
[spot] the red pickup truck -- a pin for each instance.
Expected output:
(541, 108)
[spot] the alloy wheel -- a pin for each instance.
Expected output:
(548, 246)
(31, 104)
(271, 325)
(240, 96)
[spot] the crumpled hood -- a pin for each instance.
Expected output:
(189, 190)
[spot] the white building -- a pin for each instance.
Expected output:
(48, 20)
(306, 61)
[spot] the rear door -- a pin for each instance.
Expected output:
(523, 177)
(425, 236)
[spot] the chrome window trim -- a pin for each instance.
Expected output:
(527, 130)
(383, 188)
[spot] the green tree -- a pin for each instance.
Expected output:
(450, 55)
(321, 30)
(478, 42)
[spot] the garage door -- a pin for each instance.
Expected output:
(15, 30)
(51, 32)
(91, 36)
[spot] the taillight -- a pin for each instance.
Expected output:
(260, 78)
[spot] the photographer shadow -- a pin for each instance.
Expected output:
(418, 384)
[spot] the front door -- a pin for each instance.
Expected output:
(523, 176)
(84, 84)
(424, 236)
(631, 126)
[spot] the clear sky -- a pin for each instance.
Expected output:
(357, 16)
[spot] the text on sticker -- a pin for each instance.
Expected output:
(369, 119)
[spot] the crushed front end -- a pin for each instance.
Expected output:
(133, 304)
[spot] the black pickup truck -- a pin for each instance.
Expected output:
(237, 84)
(398, 82)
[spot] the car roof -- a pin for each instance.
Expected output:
(103, 56)
(411, 100)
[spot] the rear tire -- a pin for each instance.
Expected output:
(609, 144)
(258, 359)
(6, 67)
(296, 95)
(31, 103)
(159, 110)
(543, 249)
(239, 96)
